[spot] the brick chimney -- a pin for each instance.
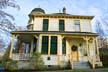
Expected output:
(64, 10)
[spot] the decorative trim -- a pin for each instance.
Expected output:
(74, 48)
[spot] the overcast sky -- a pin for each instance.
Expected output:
(77, 7)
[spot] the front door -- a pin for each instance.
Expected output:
(74, 53)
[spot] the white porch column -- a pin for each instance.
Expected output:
(59, 50)
(87, 47)
(94, 51)
(40, 44)
(12, 45)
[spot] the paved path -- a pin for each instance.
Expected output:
(87, 70)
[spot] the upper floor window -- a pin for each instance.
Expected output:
(77, 25)
(61, 25)
(45, 24)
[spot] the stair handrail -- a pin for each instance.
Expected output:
(71, 61)
(92, 61)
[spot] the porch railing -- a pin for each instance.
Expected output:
(20, 56)
(92, 61)
(71, 62)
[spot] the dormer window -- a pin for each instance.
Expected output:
(45, 24)
(77, 25)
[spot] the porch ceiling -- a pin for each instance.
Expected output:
(25, 38)
(56, 32)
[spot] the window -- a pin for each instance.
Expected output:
(53, 47)
(64, 46)
(45, 45)
(77, 25)
(35, 44)
(61, 25)
(45, 24)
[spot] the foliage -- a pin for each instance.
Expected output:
(5, 4)
(5, 24)
(12, 65)
(36, 61)
(9, 63)
(6, 54)
(101, 25)
(104, 56)
(99, 29)
(103, 51)
(80, 70)
(6, 19)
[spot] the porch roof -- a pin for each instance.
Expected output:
(54, 32)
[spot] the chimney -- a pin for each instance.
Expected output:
(64, 10)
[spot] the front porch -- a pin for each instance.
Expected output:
(79, 48)
(86, 51)
(23, 46)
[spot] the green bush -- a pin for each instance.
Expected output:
(12, 65)
(8, 64)
(104, 56)
(103, 51)
(36, 61)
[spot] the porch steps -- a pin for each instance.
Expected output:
(81, 65)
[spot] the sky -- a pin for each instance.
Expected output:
(96, 8)
(75, 7)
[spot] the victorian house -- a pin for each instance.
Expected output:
(61, 38)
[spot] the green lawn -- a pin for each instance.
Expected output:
(75, 70)
(105, 69)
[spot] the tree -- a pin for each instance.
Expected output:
(6, 19)
(101, 24)
(99, 29)
(5, 24)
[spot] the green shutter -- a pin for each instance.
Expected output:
(53, 48)
(45, 24)
(61, 25)
(45, 44)
(64, 46)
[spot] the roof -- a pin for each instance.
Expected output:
(54, 32)
(57, 15)
(38, 10)
(61, 15)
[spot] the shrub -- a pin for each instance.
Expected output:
(9, 63)
(104, 56)
(103, 51)
(36, 61)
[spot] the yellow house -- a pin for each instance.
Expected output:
(61, 38)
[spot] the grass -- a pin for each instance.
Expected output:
(105, 69)
(79, 70)
(75, 70)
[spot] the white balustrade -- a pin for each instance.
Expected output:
(20, 56)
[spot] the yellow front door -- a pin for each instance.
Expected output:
(74, 53)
